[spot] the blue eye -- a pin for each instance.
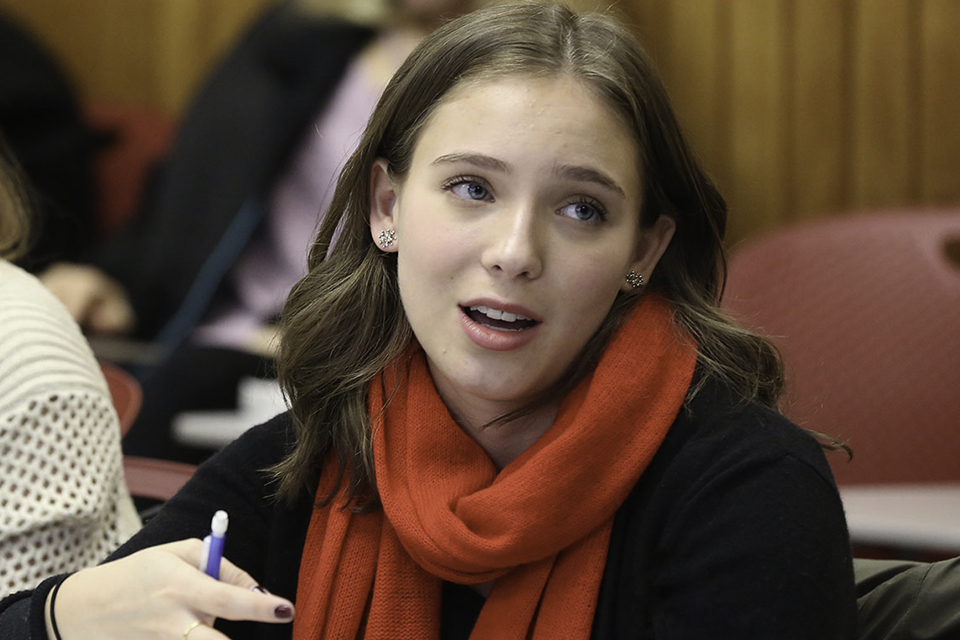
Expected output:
(468, 189)
(585, 211)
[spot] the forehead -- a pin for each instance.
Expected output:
(565, 115)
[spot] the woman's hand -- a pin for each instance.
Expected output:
(158, 593)
(95, 300)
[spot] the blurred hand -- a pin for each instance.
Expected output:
(265, 341)
(96, 301)
(157, 593)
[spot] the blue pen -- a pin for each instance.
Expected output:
(213, 545)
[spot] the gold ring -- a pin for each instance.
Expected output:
(193, 625)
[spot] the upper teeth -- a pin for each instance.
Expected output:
(497, 314)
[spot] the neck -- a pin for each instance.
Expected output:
(505, 442)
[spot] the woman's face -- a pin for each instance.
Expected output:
(516, 226)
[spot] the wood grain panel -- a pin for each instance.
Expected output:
(759, 114)
(820, 181)
(939, 127)
(695, 72)
(885, 103)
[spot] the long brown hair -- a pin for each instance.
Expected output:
(344, 321)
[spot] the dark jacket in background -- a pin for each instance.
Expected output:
(235, 139)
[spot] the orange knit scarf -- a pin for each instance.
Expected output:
(540, 527)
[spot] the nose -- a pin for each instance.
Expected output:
(514, 248)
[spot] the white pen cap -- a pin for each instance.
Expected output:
(218, 526)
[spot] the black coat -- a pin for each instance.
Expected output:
(235, 140)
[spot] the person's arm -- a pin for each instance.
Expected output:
(902, 600)
(152, 581)
(96, 301)
(157, 592)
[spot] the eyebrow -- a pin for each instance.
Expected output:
(569, 172)
(586, 174)
(476, 159)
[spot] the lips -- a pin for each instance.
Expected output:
(499, 319)
(498, 326)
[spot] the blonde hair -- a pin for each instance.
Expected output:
(344, 321)
(14, 207)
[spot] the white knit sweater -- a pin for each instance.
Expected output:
(63, 501)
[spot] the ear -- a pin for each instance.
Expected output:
(383, 201)
(652, 243)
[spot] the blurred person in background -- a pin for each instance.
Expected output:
(63, 501)
(224, 232)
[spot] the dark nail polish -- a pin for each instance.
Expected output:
(259, 589)
(284, 612)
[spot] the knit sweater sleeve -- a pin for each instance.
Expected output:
(63, 501)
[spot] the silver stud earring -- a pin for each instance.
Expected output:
(635, 279)
(386, 238)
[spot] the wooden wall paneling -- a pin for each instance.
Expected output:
(759, 116)
(179, 59)
(799, 107)
(939, 127)
(885, 103)
(130, 45)
(689, 43)
(820, 180)
(650, 24)
(696, 73)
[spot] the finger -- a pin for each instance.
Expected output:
(75, 300)
(71, 285)
(190, 550)
(232, 574)
(112, 314)
(233, 602)
(232, 596)
(202, 631)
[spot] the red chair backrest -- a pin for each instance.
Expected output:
(126, 394)
(866, 311)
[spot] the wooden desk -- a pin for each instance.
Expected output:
(910, 516)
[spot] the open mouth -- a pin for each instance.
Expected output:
(499, 320)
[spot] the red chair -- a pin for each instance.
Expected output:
(866, 311)
(149, 478)
(155, 479)
(125, 392)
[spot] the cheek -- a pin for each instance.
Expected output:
(597, 279)
(430, 246)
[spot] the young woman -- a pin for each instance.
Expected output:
(516, 411)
